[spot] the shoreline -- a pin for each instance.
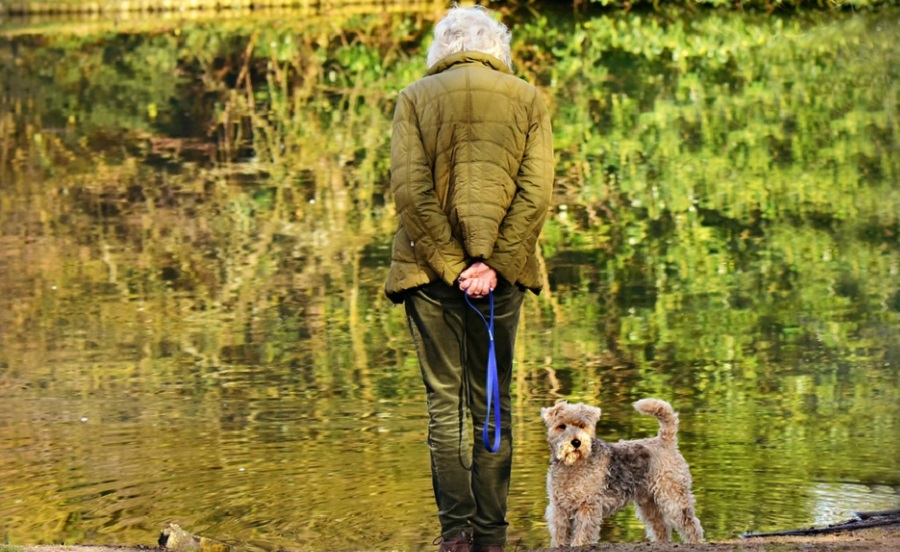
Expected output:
(867, 531)
(886, 537)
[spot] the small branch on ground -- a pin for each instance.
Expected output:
(880, 513)
(865, 520)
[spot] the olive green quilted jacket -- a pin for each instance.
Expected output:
(471, 174)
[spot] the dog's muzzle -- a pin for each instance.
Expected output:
(570, 451)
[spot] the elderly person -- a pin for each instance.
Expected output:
(471, 175)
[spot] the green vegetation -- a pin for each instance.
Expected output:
(21, 7)
(768, 6)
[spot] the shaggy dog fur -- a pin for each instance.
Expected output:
(590, 479)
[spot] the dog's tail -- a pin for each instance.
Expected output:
(668, 418)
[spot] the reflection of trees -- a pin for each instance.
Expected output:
(721, 180)
(693, 166)
(725, 230)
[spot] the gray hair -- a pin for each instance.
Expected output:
(471, 28)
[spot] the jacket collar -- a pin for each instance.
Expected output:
(469, 56)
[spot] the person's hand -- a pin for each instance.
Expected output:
(478, 280)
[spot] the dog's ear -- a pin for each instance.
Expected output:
(593, 414)
(549, 413)
(545, 416)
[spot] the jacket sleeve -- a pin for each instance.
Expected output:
(524, 219)
(412, 184)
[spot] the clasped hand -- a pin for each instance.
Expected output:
(478, 280)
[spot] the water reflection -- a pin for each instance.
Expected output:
(192, 327)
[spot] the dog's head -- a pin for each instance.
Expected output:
(570, 430)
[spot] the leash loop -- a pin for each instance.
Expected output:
(493, 383)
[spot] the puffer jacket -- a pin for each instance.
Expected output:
(471, 174)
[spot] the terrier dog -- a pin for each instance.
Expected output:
(590, 479)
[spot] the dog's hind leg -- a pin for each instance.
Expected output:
(649, 512)
(689, 526)
(677, 508)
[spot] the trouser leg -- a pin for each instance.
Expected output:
(470, 486)
(437, 328)
(491, 471)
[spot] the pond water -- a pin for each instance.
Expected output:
(194, 233)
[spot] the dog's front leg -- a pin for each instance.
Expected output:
(587, 526)
(559, 525)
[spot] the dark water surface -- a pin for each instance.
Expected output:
(194, 230)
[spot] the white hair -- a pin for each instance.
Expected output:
(466, 29)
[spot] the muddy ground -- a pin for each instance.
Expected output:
(853, 535)
(867, 540)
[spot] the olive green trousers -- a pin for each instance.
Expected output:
(470, 483)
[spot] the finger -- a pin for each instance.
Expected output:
(483, 287)
(474, 290)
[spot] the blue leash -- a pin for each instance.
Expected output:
(493, 384)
